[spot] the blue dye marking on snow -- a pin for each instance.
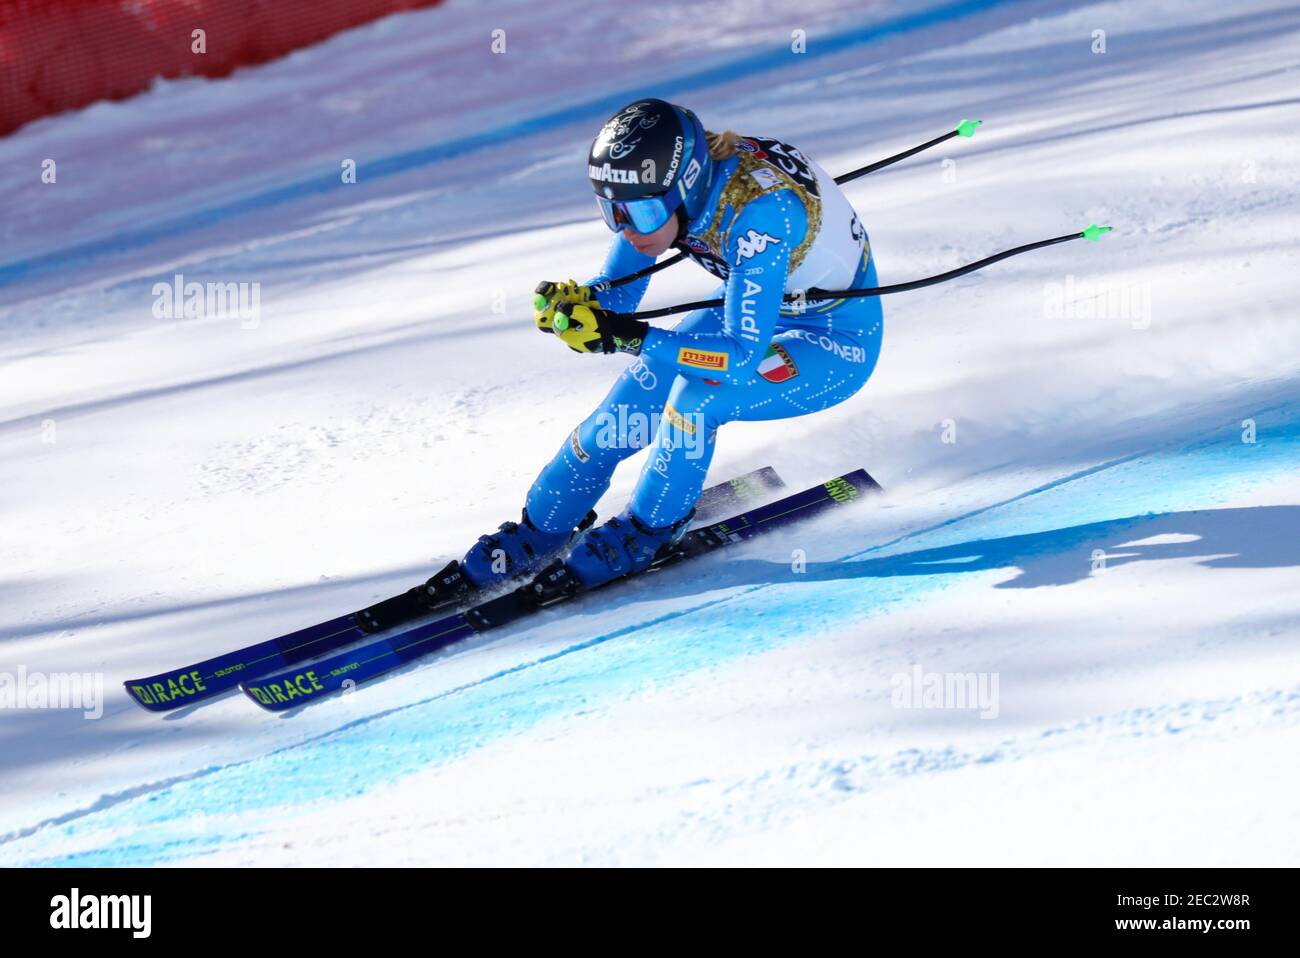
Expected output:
(168, 229)
(239, 800)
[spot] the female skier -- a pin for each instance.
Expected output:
(766, 220)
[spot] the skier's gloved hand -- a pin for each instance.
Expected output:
(550, 295)
(587, 329)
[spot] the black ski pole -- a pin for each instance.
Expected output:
(1093, 232)
(964, 128)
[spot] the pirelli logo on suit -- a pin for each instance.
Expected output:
(702, 358)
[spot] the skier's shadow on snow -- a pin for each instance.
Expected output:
(1241, 538)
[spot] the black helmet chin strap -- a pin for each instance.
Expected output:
(683, 221)
(653, 267)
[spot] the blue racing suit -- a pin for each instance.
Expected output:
(775, 223)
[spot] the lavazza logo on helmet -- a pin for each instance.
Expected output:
(608, 174)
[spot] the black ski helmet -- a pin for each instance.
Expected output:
(649, 160)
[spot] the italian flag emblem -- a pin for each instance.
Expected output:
(777, 366)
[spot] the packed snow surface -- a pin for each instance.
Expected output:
(1092, 505)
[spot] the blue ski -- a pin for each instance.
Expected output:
(447, 589)
(289, 689)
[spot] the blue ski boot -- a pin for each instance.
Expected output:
(622, 546)
(515, 549)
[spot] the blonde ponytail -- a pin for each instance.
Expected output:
(722, 146)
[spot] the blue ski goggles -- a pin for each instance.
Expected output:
(644, 215)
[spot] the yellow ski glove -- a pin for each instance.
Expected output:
(587, 330)
(549, 295)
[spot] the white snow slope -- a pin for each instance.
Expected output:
(1090, 452)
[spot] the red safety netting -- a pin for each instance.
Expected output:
(60, 54)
